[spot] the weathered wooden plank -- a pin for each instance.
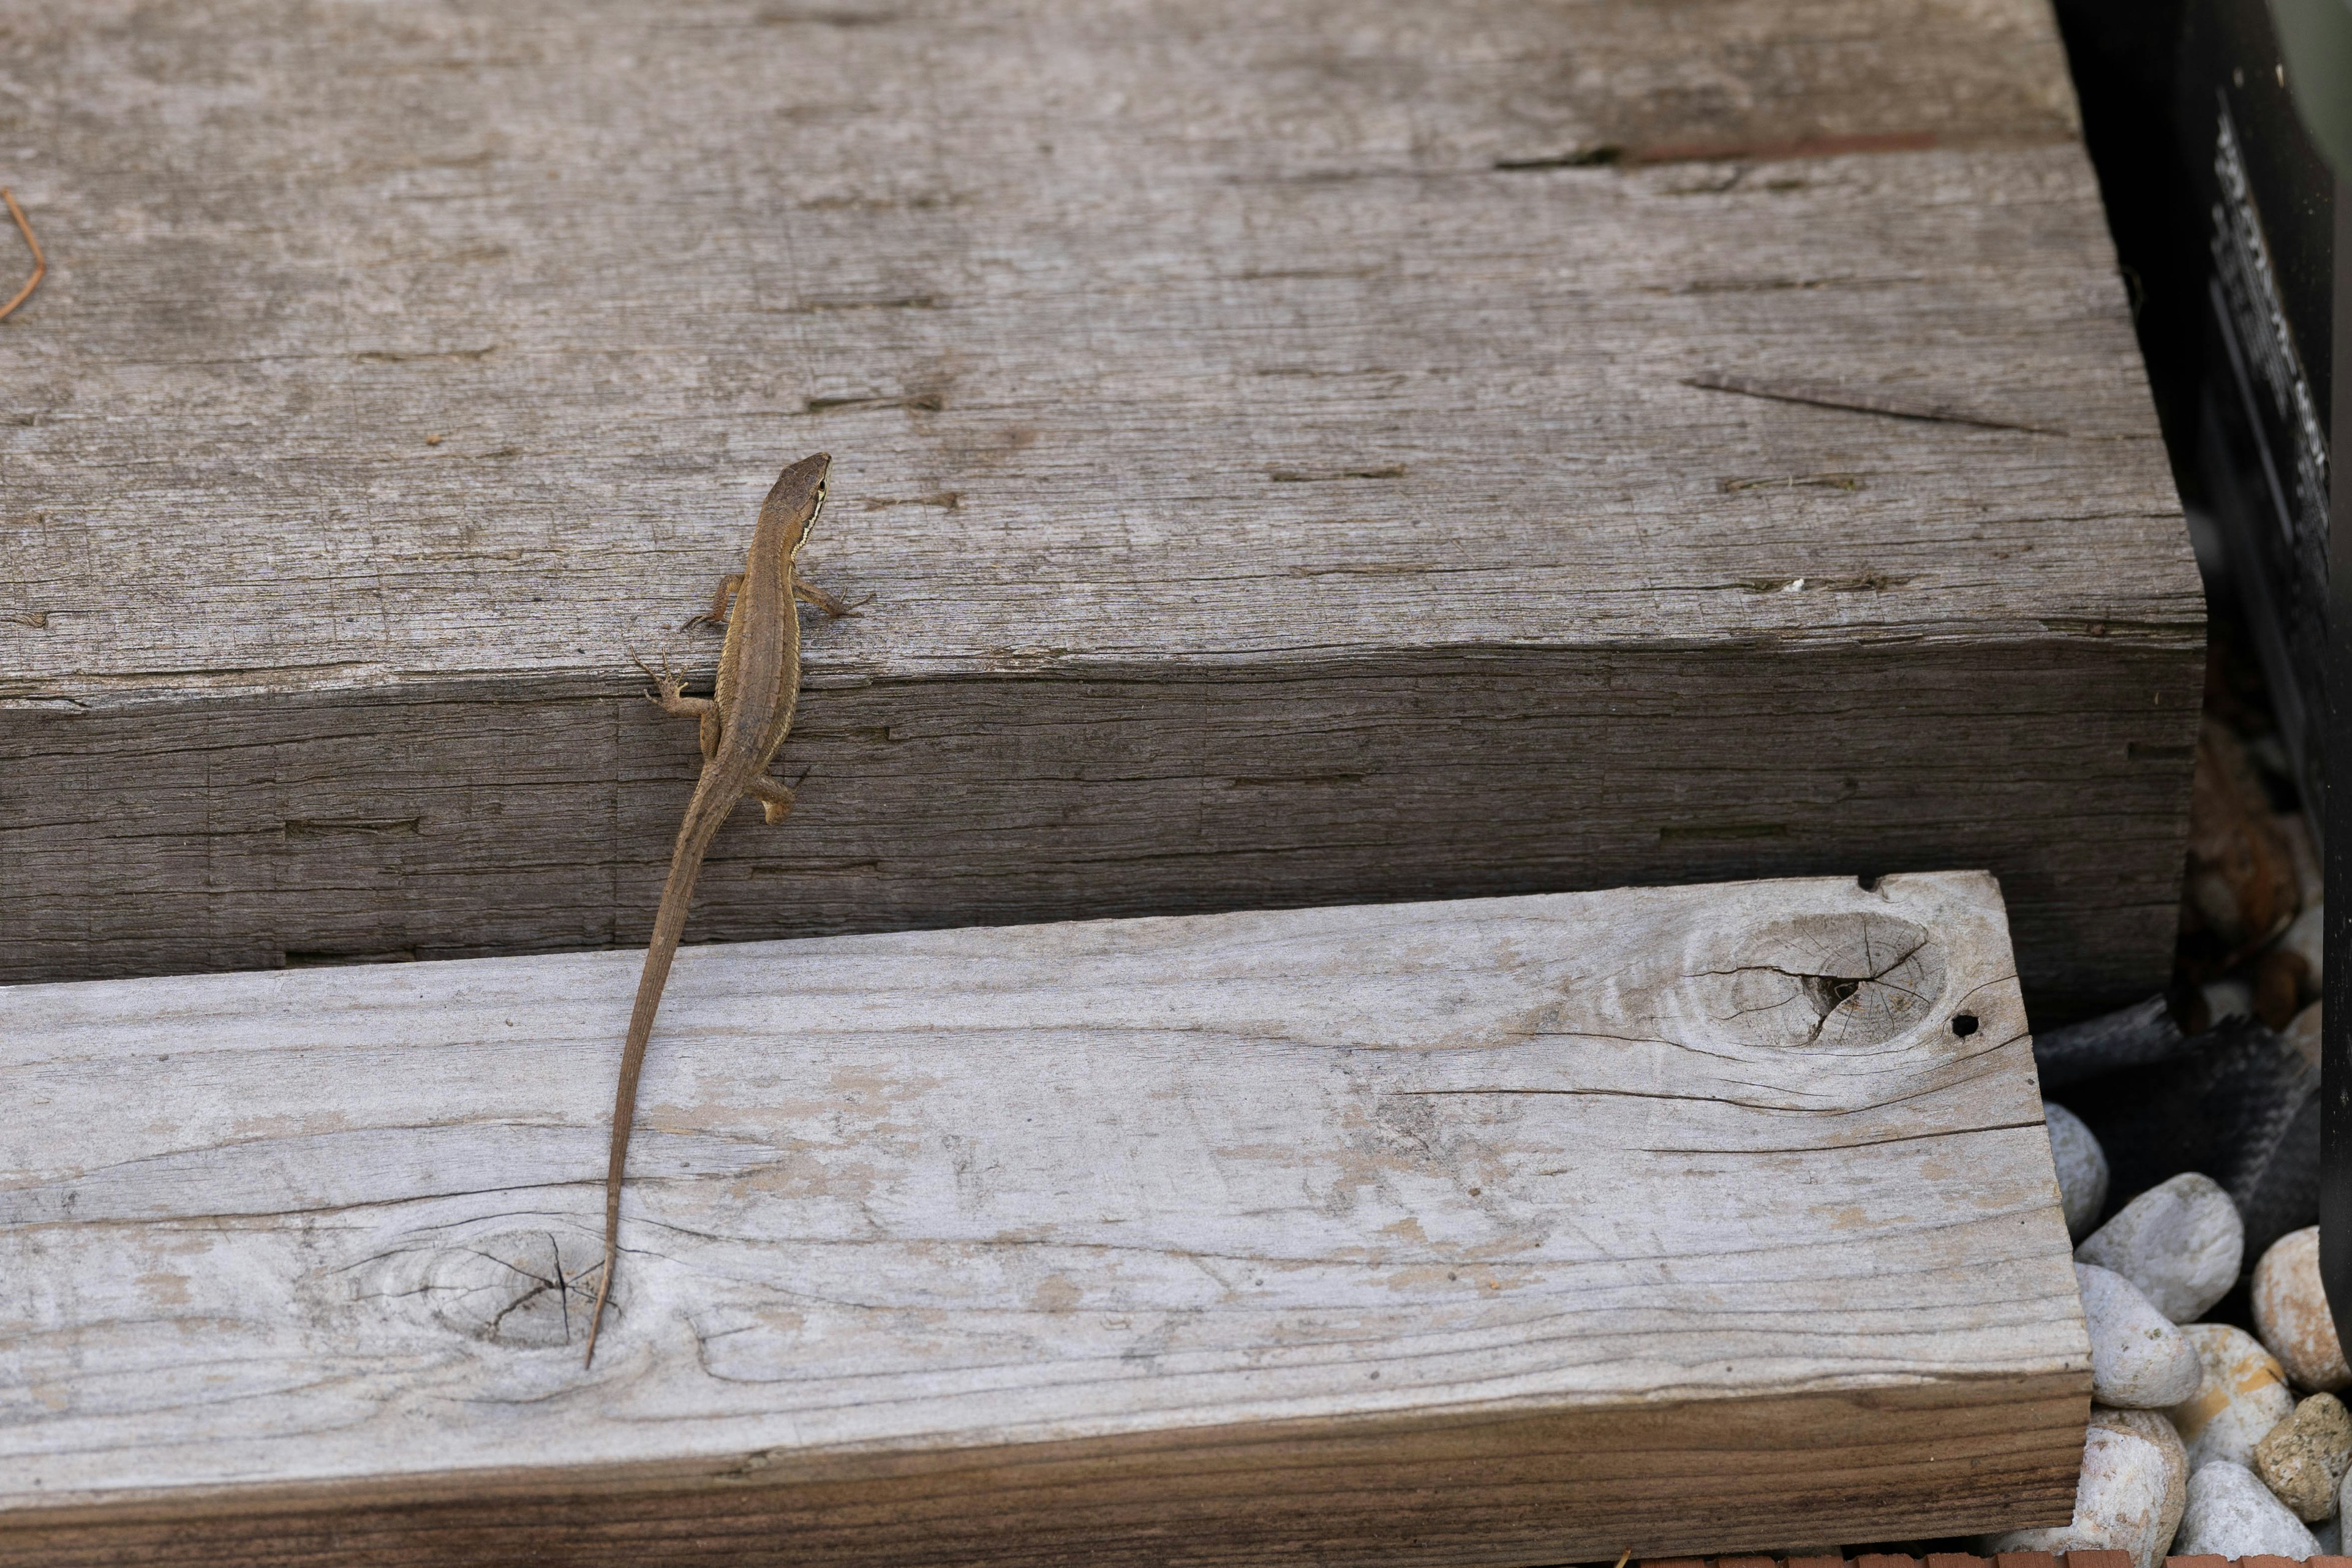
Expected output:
(1507, 1230)
(398, 367)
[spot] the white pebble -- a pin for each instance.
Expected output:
(2082, 1169)
(2228, 999)
(2180, 1242)
(2303, 1032)
(2134, 1487)
(2305, 937)
(2139, 1360)
(2232, 1514)
(2292, 1316)
(2241, 1396)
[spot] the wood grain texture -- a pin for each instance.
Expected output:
(1782, 496)
(1507, 1230)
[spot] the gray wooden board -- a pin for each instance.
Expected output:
(1283, 472)
(1503, 1230)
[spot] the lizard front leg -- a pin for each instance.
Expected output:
(728, 586)
(807, 593)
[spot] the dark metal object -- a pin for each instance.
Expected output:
(2336, 1057)
(2262, 193)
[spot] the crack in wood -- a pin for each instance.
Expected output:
(1853, 402)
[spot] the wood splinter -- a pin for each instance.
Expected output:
(40, 263)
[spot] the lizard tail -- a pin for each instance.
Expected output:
(705, 814)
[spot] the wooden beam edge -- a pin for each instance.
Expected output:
(2004, 1453)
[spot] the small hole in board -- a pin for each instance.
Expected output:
(1868, 884)
(1964, 1024)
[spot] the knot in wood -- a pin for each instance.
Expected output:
(1837, 982)
(529, 1289)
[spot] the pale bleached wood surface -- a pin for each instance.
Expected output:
(1280, 479)
(1502, 1230)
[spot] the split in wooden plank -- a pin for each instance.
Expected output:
(1487, 1231)
(1178, 358)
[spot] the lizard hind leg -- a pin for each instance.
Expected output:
(810, 594)
(774, 795)
(671, 698)
(669, 693)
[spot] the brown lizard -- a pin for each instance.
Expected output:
(743, 723)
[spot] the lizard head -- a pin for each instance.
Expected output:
(796, 497)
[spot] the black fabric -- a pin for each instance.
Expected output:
(2130, 1037)
(2238, 1103)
